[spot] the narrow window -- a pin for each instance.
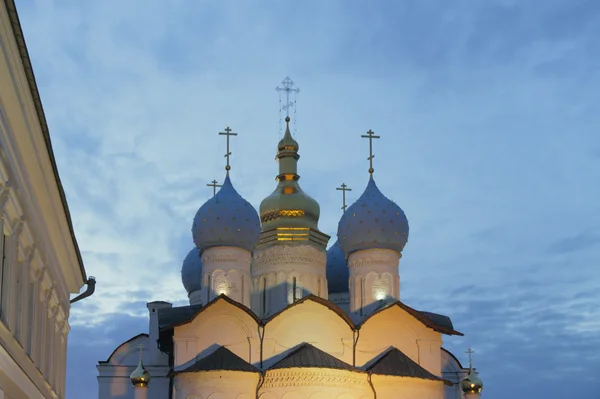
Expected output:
(294, 288)
(264, 296)
(3, 280)
(208, 289)
(361, 297)
(31, 319)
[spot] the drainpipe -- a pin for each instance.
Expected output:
(371, 384)
(91, 287)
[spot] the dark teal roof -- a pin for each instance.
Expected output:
(220, 359)
(307, 355)
(394, 362)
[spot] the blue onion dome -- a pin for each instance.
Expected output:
(337, 271)
(191, 271)
(373, 221)
(226, 219)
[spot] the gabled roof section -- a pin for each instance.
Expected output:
(307, 355)
(324, 302)
(220, 359)
(436, 322)
(122, 345)
(173, 317)
(394, 362)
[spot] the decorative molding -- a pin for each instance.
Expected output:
(371, 257)
(279, 255)
(320, 378)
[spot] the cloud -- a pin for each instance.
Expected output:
(488, 114)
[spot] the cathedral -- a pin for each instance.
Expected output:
(274, 314)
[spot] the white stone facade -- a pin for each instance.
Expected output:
(282, 274)
(40, 264)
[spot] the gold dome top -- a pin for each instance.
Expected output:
(140, 376)
(289, 214)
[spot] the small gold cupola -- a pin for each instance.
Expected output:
(289, 214)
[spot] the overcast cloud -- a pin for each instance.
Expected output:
(488, 113)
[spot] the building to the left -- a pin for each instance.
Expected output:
(40, 262)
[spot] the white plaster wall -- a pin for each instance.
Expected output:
(216, 385)
(221, 324)
(395, 327)
(274, 269)
(308, 322)
(373, 277)
(388, 387)
(226, 270)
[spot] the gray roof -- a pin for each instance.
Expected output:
(438, 319)
(221, 359)
(307, 355)
(176, 316)
(394, 362)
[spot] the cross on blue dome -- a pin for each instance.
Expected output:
(373, 221)
(226, 219)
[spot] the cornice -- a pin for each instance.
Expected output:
(314, 377)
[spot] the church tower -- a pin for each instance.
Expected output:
(225, 232)
(372, 234)
(289, 260)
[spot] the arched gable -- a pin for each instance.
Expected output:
(128, 353)
(312, 320)
(222, 322)
(396, 327)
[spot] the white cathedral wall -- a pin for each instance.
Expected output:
(221, 324)
(373, 277)
(308, 322)
(216, 385)
(390, 387)
(226, 270)
(315, 383)
(274, 269)
(113, 376)
(395, 327)
(452, 371)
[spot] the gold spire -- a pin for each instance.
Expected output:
(289, 214)
(370, 135)
(471, 383)
(140, 378)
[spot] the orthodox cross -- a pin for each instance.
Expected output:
(287, 89)
(227, 133)
(470, 353)
(214, 185)
(370, 135)
(141, 347)
(343, 188)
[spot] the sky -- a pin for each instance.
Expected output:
(488, 113)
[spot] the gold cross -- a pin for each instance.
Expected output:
(343, 189)
(227, 133)
(141, 347)
(370, 135)
(214, 185)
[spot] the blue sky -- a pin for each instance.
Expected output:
(488, 112)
